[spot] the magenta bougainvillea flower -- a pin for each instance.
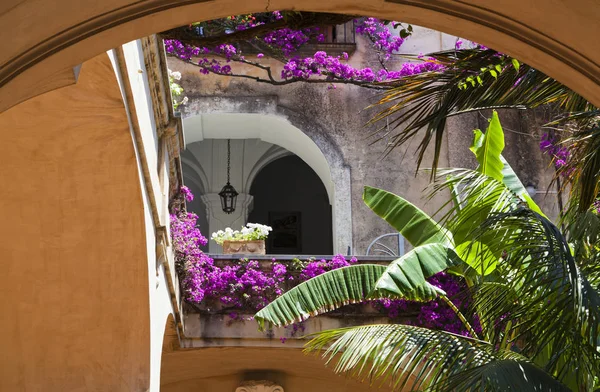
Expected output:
(245, 285)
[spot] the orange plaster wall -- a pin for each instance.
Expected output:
(74, 282)
(222, 369)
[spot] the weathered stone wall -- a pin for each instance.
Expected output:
(335, 119)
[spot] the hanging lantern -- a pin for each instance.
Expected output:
(228, 194)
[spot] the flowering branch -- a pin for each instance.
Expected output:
(329, 78)
(282, 38)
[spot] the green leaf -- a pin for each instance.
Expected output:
(322, 293)
(406, 277)
(487, 148)
(480, 197)
(513, 183)
(414, 224)
(478, 256)
(494, 74)
(516, 64)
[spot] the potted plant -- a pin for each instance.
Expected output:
(249, 240)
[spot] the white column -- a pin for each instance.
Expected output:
(219, 220)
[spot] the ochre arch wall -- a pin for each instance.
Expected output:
(49, 38)
(74, 286)
(221, 369)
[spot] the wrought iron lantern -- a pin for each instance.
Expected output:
(228, 194)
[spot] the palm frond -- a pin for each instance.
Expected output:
(505, 375)
(556, 317)
(406, 276)
(488, 149)
(468, 80)
(552, 309)
(480, 197)
(413, 358)
(403, 278)
(322, 293)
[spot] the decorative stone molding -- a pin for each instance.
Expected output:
(259, 386)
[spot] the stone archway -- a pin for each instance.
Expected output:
(293, 132)
(559, 38)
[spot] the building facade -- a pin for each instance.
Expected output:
(325, 128)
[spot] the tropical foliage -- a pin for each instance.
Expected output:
(479, 78)
(535, 299)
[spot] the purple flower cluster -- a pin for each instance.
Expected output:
(288, 41)
(333, 68)
(559, 154)
(187, 194)
(186, 236)
(245, 284)
(379, 34)
(182, 51)
(314, 268)
(434, 314)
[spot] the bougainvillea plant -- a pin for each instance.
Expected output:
(562, 159)
(235, 287)
(219, 47)
(559, 154)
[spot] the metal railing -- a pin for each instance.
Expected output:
(377, 245)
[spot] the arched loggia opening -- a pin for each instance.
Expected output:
(290, 197)
(256, 141)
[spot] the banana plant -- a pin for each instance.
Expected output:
(538, 312)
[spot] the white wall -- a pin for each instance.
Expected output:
(142, 117)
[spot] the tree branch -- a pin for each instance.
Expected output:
(274, 82)
(296, 20)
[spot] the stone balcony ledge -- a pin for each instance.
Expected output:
(283, 258)
(227, 327)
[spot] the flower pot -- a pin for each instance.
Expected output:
(256, 247)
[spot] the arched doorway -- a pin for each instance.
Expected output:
(269, 137)
(290, 197)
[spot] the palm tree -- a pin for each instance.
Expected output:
(538, 312)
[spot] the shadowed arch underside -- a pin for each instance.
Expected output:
(223, 369)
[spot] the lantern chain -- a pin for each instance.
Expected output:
(228, 158)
